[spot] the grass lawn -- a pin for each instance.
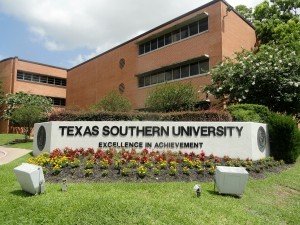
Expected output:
(5, 138)
(274, 200)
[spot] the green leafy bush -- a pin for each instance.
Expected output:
(284, 138)
(26, 117)
(113, 102)
(268, 77)
(21, 99)
(210, 115)
(172, 97)
(249, 112)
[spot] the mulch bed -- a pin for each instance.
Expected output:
(77, 175)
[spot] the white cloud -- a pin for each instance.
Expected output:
(1, 57)
(95, 24)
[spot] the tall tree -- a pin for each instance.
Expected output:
(278, 21)
(245, 12)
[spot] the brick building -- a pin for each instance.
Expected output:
(181, 50)
(35, 78)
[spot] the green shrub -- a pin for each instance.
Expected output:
(284, 138)
(249, 113)
(172, 97)
(113, 102)
(26, 117)
(210, 115)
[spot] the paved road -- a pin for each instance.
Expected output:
(10, 154)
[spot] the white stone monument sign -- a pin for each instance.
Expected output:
(234, 139)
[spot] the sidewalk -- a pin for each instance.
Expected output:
(10, 154)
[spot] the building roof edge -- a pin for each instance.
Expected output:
(42, 64)
(162, 25)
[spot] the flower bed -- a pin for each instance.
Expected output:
(111, 165)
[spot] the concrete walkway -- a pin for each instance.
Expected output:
(8, 155)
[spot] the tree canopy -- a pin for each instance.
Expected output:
(20, 99)
(269, 77)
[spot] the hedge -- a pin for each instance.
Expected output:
(283, 131)
(249, 112)
(284, 138)
(210, 115)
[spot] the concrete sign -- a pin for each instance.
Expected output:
(234, 139)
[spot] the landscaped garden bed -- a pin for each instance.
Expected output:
(146, 166)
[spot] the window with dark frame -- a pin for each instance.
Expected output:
(27, 77)
(169, 75)
(37, 78)
(43, 79)
(147, 47)
(147, 80)
(185, 71)
(177, 35)
(20, 76)
(194, 69)
(153, 44)
(141, 49)
(161, 41)
(193, 28)
(154, 79)
(58, 101)
(168, 39)
(203, 25)
(184, 32)
(177, 73)
(161, 77)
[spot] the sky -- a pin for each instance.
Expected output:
(65, 33)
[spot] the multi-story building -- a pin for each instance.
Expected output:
(18, 75)
(181, 50)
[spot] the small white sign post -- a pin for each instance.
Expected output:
(234, 139)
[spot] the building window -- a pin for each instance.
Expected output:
(147, 80)
(50, 80)
(194, 69)
(38, 78)
(147, 47)
(177, 35)
(185, 71)
(169, 75)
(161, 77)
(153, 44)
(168, 39)
(180, 72)
(203, 25)
(194, 28)
(141, 49)
(184, 32)
(161, 41)
(58, 101)
(20, 76)
(176, 73)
